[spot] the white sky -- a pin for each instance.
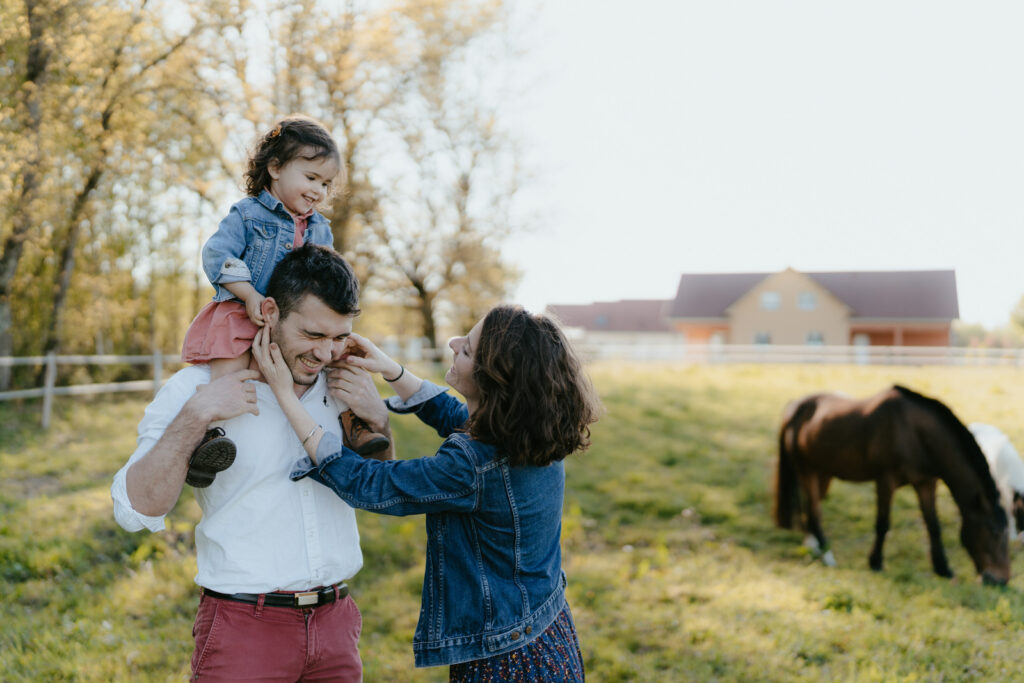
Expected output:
(723, 136)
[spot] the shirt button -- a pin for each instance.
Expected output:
(515, 636)
(529, 630)
(288, 246)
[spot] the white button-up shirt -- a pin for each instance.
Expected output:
(260, 531)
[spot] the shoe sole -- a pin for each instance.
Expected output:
(373, 446)
(212, 457)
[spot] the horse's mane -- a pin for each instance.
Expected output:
(968, 444)
(1003, 459)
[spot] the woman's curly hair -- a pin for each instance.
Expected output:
(292, 137)
(534, 401)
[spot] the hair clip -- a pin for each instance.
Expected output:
(274, 133)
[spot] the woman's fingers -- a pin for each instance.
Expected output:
(275, 354)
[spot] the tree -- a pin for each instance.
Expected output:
(1017, 315)
(123, 134)
(113, 103)
(143, 69)
(28, 42)
(442, 235)
(430, 173)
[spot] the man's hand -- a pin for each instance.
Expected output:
(356, 388)
(226, 397)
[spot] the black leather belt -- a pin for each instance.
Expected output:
(320, 596)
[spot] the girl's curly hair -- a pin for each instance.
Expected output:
(535, 402)
(292, 137)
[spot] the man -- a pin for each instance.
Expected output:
(272, 554)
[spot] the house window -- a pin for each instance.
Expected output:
(770, 301)
(807, 301)
(762, 338)
(815, 339)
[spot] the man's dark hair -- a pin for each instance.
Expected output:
(316, 270)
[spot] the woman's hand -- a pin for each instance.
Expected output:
(279, 376)
(362, 353)
(268, 357)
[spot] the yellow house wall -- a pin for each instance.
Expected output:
(788, 324)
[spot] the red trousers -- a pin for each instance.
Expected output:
(236, 641)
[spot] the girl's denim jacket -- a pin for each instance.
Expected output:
(493, 579)
(251, 239)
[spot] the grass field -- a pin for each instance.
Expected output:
(676, 572)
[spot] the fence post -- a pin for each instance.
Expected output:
(158, 371)
(51, 379)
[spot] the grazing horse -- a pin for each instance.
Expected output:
(894, 438)
(1007, 471)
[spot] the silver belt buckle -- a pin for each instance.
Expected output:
(308, 598)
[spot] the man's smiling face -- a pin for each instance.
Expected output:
(310, 337)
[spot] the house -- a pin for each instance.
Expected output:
(629, 321)
(887, 308)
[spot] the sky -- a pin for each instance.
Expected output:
(671, 136)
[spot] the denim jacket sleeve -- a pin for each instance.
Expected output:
(320, 233)
(222, 253)
(434, 407)
(446, 481)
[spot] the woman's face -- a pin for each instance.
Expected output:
(460, 374)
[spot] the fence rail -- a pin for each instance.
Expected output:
(412, 352)
(774, 353)
(702, 354)
(49, 388)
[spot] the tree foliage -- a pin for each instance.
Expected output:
(124, 133)
(431, 172)
(1017, 315)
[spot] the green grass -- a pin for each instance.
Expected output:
(676, 572)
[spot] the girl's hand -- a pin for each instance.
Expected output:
(253, 304)
(360, 352)
(268, 357)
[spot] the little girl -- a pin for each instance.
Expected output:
(291, 171)
(493, 605)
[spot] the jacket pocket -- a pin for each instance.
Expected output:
(262, 244)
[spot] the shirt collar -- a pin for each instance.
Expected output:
(274, 204)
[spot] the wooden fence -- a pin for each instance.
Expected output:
(775, 353)
(411, 352)
(673, 353)
(51, 361)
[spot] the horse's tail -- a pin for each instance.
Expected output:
(787, 487)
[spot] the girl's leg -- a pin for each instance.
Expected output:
(225, 366)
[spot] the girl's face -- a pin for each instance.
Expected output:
(301, 184)
(460, 374)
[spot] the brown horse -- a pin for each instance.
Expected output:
(894, 438)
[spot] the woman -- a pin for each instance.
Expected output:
(493, 605)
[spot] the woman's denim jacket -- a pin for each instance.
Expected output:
(493, 580)
(251, 239)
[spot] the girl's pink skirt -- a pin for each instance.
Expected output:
(221, 330)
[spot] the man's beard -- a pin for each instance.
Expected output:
(295, 366)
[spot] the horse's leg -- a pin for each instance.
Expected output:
(884, 490)
(813, 486)
(926, 499)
